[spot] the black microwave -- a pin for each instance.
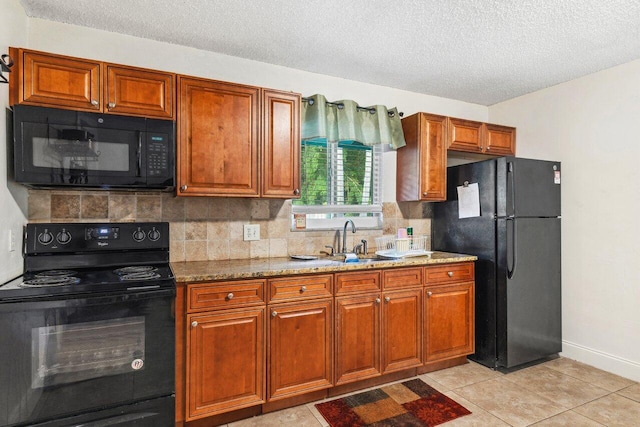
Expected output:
(65, 148)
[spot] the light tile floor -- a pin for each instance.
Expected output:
(560, 392)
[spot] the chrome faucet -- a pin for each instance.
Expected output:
(344, 234)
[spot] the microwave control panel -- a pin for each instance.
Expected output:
(157, 155)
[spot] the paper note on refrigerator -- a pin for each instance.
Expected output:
(468, 201)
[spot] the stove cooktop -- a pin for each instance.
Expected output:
(88, 281)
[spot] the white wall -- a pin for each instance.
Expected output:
(591, 125)
(105, 46)
(13, 198)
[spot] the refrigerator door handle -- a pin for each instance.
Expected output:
(512, 179)
(511, 271)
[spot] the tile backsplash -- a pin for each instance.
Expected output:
(211, 228)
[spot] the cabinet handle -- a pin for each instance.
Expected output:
(111, 105)
(274, 313)
(94, 102)
(425, 194)
(194, 324)
(429, 293)
(488, 148)
(183, 188)
(387, 299)
(377, 300)
(303, 288)
(296, 192)
(230, 295)
(450, 273)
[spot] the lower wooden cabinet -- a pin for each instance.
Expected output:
(377, 334)
(225, 361)
(300, 348)
(357, 338)
(448, 321)
(278, 341)
(401, 330)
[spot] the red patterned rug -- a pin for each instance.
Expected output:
(411, 403)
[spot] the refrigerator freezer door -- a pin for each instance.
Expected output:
(531, 188)
(529, 303)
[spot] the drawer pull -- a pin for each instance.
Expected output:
(387, 299)
(429, 293)
(230, 296)
(303, 288)
(450, 273)
(274, 313)
(194, 324)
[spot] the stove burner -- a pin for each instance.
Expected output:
(142, 275)
(56, 273)
(44, 281)
(134, 269)
(137, 272)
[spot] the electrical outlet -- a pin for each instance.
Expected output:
(251, 232)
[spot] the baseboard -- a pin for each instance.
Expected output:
(601, 360)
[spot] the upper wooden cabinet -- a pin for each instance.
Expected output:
(227, 148)
(477, 137)
(281, 145)
(134, 91)
(49, 80)
(218, 135)
(422, 163)
(464, 135)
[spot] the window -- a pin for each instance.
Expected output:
(340, 180)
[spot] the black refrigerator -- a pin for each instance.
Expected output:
(517, 241)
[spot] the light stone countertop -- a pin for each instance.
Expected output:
(202, 271)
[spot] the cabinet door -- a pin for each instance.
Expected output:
(401, 330)
(357, 338)
(499, 140)
(59, 81)
(134, 91)
(465, 135)
(218, 134)
(300, 337)
(421, 164)
(281, 145)
(225, 361)
(448, 321)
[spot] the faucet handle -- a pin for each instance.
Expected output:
(357, 249)
(332, 253)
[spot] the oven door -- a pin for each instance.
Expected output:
(65, 357)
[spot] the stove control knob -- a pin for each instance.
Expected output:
(63, 237)
(45, 238)
(139, 235)
(154, 235)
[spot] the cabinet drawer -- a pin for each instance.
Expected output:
(300, 287)
(402, 278)
(449, 273)
(221, 295)
(357, 281)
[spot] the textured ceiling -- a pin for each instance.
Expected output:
(480, 51)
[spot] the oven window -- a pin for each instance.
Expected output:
(71, 353)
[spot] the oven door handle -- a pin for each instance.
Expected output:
(143, 288)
